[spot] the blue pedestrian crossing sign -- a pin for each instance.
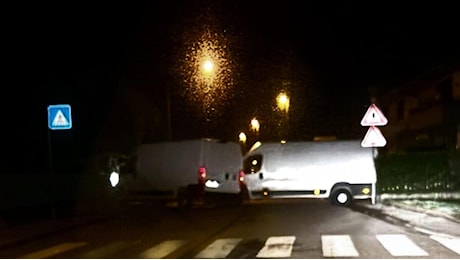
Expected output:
(59, 117)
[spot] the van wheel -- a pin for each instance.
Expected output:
(342, 197)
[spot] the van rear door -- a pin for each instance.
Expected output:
(223, 163)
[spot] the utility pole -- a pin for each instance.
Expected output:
(168, 112)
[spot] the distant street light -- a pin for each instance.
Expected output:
(207, 74)
(282, 101)
(242, 138)
(255, 125)
(207, 67)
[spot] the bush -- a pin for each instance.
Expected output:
(418, 172)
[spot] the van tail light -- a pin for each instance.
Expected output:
(201, 175)
(201, 180)
(241, 177)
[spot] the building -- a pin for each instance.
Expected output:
(424, 114)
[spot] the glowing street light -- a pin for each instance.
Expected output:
(255, 125)
(242, 137)
(282, 101)
(207, 67)
(206, 72)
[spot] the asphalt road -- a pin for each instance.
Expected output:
(281, 229)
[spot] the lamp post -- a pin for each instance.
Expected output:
(168, 113)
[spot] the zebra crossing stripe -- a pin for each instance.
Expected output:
(276, 247)
(54, 250)
(220, 248)
(400, 245)
(105, 251)
(163, 249)
(449, 242)
(338, 246)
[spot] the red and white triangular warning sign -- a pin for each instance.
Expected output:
(374, 116)
(373, 138)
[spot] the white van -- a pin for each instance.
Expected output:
(338, 170)
(185, 170)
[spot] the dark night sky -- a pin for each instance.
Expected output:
(81, 52)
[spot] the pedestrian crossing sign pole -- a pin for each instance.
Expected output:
(59, 118)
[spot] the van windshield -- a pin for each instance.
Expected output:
(252, 164)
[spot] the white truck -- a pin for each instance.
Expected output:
(337, 170)
(183, 171)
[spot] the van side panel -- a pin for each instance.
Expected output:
(311, 169)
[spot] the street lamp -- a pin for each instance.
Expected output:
(242, 138)
(255, 125)
(207, 73)
(282, 101)
(207, 67)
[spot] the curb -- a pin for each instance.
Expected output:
(383, 211)
(426, 211)
(377, 212)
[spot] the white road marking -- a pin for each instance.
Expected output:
(449, 242)
(163, 249)
(108, 250)
(220, 248)
(400, 245)
(54, 250)
(276, 247)
(338, 246)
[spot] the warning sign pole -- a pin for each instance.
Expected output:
(373, 138)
